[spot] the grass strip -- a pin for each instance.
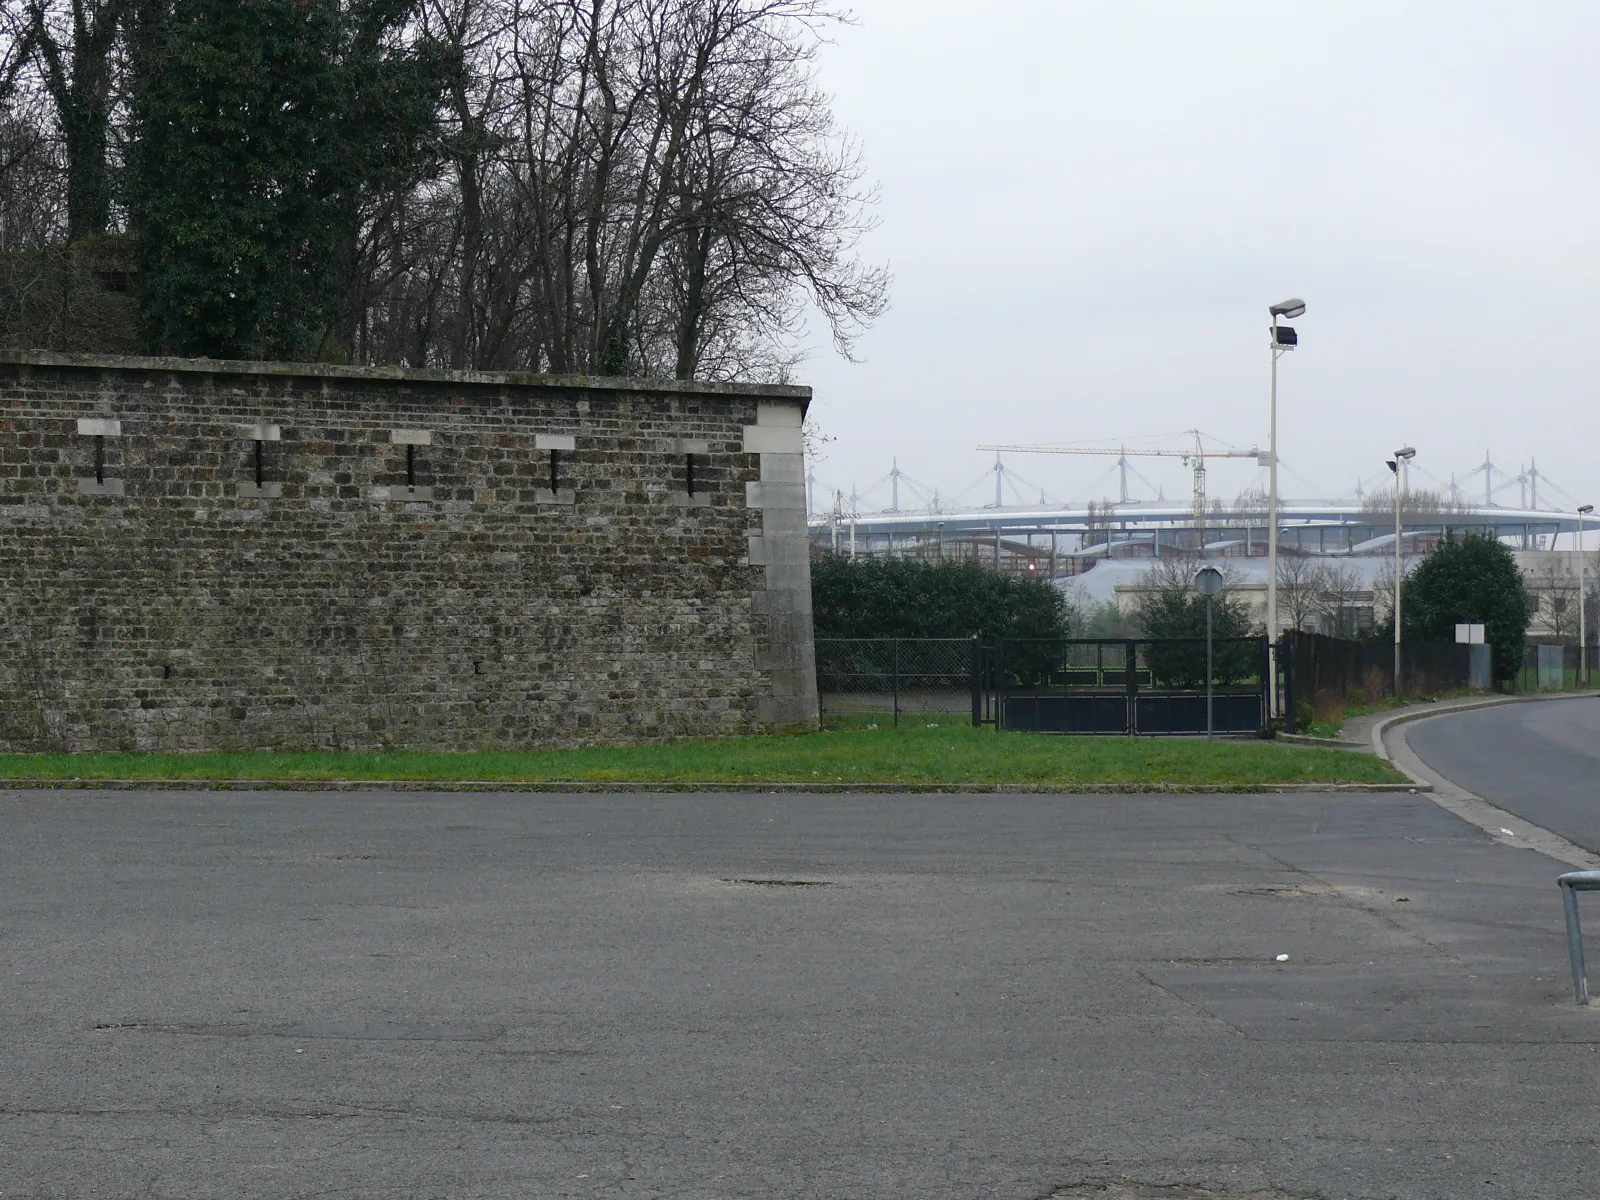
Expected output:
(929, 753)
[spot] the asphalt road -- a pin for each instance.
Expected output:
(1540, 761)
(302, 995)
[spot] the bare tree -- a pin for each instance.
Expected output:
(649, 187)
(1338, 600)
(53, 293)
(1421, 505)
(1383, 592)
(772, 204)
(73, 47)
(646, 186)
(1300, 587)
(1554, 592)
(1251, 501)
(1591, 598)
(1175, 571)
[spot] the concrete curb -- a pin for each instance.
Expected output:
(558, 787)
(1406, 715)
(1504, 827)
(1300, 739)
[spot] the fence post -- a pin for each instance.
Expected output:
(1130, 667)
(999, 685)
(896, 646)
(976, 660)
(1286, 648)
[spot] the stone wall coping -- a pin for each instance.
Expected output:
(285, 370)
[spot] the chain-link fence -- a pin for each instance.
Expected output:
(1556, 668)
(894, 677)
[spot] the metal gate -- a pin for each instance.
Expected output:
(1137, 686)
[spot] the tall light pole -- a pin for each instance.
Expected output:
(1402, 457)
(1284, 339)
(1583, 627)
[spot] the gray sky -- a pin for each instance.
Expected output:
(1088, 207)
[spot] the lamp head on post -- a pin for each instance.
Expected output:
(1284, 336)
(1284, 339)
(1585, 510)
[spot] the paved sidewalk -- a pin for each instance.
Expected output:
(1360, 729)
(781, 996)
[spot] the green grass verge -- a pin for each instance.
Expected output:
(923, 754)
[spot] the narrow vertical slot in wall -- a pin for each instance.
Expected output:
(695, 493)
(555, 444)
(99, 428)
(411, 491)
(256, 486)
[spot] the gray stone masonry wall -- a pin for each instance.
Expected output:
(208, 555)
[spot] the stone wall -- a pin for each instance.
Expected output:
(208, 555)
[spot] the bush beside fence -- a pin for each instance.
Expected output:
(1322, 674)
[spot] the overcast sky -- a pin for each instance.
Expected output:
(1088, 207)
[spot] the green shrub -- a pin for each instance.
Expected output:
(879, 597)
(1470, 579)
(1175, 612)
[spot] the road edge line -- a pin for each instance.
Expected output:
(751, 787)
(1406, 715)
(1505, 828)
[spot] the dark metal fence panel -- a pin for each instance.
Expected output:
(1141, 685)
(895, 676)
(1555, 668)
(1056, 685)
(1429, 668)
(1322, 673)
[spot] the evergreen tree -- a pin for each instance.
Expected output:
(889, 597)
(1471, 579)
(1180, 612)
(259, 126)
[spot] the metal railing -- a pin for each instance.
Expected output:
(1571, 884)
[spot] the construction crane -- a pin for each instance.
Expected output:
(1195, 458)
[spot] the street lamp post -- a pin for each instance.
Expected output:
(1583, 627)
(1284, 339)
(1402, 457)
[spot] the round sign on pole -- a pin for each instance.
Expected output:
(1208, 581)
